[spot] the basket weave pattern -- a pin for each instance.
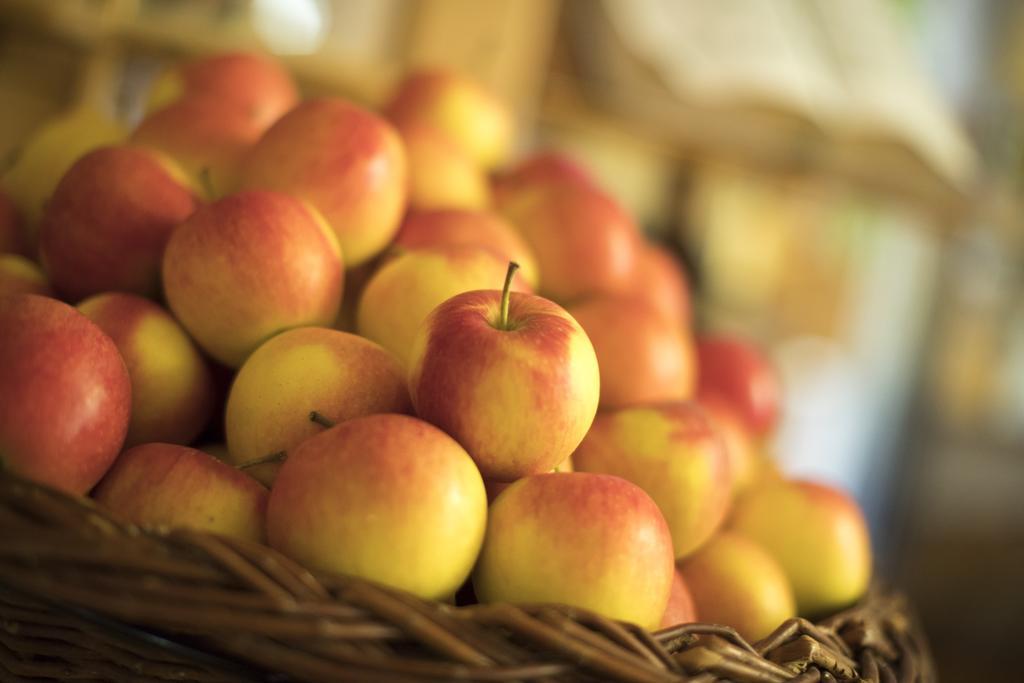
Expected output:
(84, 597)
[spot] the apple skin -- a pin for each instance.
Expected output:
(254, 84)
(441, 174)
(519, 400)
(586, 540)
(661, 282)
(107, 224)
(18, 275)
(168, 485)
(384, 497)
(674, 454)
(539, 170)
(248, 266)
(66, 394)
(406, 288)
(643, 357)
(585, 243)
(12, 236)
(734, 582)
(469, 115)
(680, 608)
(203, 134)
(348, 163)
(739, 375)
(172, 393)
(745, 459)
(337, 374)
(484, 229)
(818, 536)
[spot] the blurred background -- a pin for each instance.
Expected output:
(843, 179)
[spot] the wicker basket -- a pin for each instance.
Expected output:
(84, 597)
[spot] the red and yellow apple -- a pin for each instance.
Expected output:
(253, 84)
(18, 275)
(406, 288)
(348, 163)
(734, 582)
(660, 281)
(672, 452)
(586, 540)
(336, 374)
(441, 174)
(680, 608)
(539, 170)
(584, 242)
(818, 536)
(384, 497)
(484, 229)
(66, 394)
(469, 115)
(205, 135)
(248, 266)
(511, 376)
(735, 372)
(744, 455)
(166, 485)
(107, 224)
(644, 358)
(172, 394)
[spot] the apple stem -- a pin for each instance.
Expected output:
(321, 420)
(273, 457)
(506, 294)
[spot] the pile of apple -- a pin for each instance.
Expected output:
(331, 289)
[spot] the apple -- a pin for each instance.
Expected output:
(818, 536)
(172, 393)
(644, 358)
(346, 162)
(205, 135)
(253, 84)
(66, 394)
(511, 376)
(12, 236)
(167, 485)
(672, 452)
(584, 242)
(458, 107)
(46, 157)
(107, 224)
(248, 266)
(744, 455)
(383, 497)
(336, 374)
(539, 170)
(585, 540)
(494, 487)
(734, 582)
(484, 229)
(355, 282)
(661, 282)
(441, 174)
(406, 288)
(739, 375)
(680, 608)
(18, 275)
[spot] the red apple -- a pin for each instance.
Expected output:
(164, 485)
(674, 454)
(584, 242)
(511, 376)
(680, 608)
(18, 275)
(735, 372)
(461, 109)
(661, 282)
(248, 266)
(346, 162)
(205, 135)
(107, 224)
(385, 497)
(172, 393)
(483, 229)
(12, 236)
(544, 169)
(66, 394)
(254, 84)
(644, 358)
(581, 539)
